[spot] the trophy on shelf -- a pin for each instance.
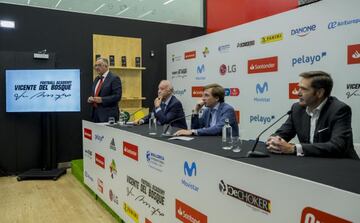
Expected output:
(112, 60)
(137, 62)
(123, 61)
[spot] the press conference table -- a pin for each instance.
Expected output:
(340, 173)
(295, 188)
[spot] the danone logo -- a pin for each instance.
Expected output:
(100, 160)
(244, 196)
(234, 91)
(131, 151)
(190, 55)
(197, 91)
(312, 215)
(272, 38)
(262, 65)
(293, 90)
(88, 133)
(187, 214)
(131, 212)
(303, 31)
(311, 59)
(353, 54)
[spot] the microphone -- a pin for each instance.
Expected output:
(254, 153)
(126, 115)
(172, 121)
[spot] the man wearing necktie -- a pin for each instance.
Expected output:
(321, 122)
(106, 93)
(213, 118)
(167, 107)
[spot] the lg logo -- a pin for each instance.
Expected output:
(227, 69)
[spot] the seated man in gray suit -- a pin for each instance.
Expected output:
(214, 115)
(167, 108)
(321, 122)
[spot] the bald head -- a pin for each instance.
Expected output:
(165, 89)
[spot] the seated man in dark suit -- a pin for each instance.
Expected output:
(167, 107)
(106, 93)
(321, 122)
(213, 118)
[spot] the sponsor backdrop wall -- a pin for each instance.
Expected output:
(258, 63)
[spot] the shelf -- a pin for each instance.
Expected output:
(127, 68)
(133, 98)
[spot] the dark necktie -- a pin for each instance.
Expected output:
(163, 106)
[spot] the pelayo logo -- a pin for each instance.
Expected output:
(308, 59)
(261, 119)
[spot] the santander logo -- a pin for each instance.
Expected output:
(197, 91)
(263, 65)
(354, 54)
(312, 215)
(187, 214)
(293, 90)
(88, 133)
(131, 151)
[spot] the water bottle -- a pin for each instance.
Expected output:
(227, 135)
(152, 124)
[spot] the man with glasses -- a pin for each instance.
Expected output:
(106, 93)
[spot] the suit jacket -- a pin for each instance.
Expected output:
(225, 111)
(174, 110)
(333, 133)
(110, 92)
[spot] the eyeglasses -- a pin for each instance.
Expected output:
(98, 65)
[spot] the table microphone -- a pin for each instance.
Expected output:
(254, 153)
(128, 116)
(177, 119)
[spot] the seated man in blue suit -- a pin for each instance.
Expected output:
(321, 122)
(167, 107)
(213, 118)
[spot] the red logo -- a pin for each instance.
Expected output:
(147, 220)
(100, 160)
(310, 215)
(263, 65)
(293, 90)
(131, 151)
(88, 133)
(353, 54)
(237, 116)
(197, 91)
(187, 214)
(100, 184)
(190, 55)
(222, 69)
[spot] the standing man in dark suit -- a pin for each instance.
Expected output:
(321, 122)
(213, 118)
(106, 93)
(167, 107)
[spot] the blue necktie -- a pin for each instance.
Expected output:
(163, 106)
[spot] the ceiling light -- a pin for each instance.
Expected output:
(122, 11)
(7, 24)
(145, 14)
(167, 2)
(58, 3)
(102, 5)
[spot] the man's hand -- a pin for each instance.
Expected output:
(90, 99)
(276, 144)
(138, 122)
(157, 102)
(183, 132)
(97, 100)
(199, 105)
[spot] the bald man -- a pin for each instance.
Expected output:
(166, 107)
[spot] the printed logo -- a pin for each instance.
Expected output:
(155, 161)
(175, 58)
(99, 138)
(334, 24)
(190, 170)
(131, 151)
(100, 185)
(180, 73)
(237, 115)
(251, 199)
(187, 214)
(190, 55)
(353, 54)
(261, 119)
(303, 31)
(113, 197)
(224, 48)
(260, 90)
(271, 38)
(205, 51)
(131, 212)
(113, 169)
(88, 153)
(245, 44)
(293, 90)
(312, 215)
(147, 194)
(352, 90)
(200, 69)
(227, 69)
(179, 92)
(232, 91)
(147, 220)
(197, 91)
(88, 176)
(262, 65)
(88, 133)
(308, 59)
(112, 144)
(100, 160)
